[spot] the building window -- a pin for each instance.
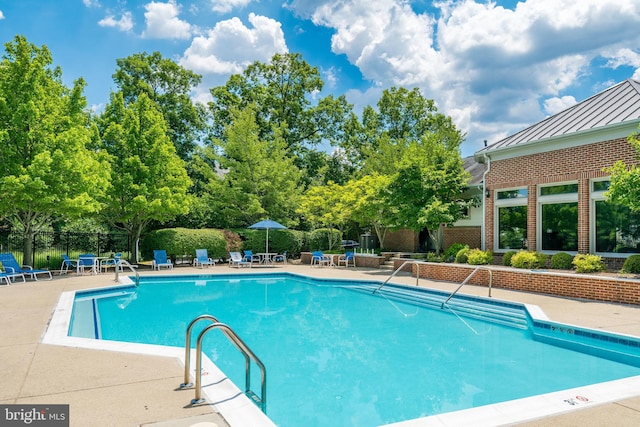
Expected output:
(511, 218)
(617, 228)
(558, 217)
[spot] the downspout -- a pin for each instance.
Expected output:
(487, 160)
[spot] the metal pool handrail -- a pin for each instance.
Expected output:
(465, 282)
(187, 347)
(411, 261)
(246, 352)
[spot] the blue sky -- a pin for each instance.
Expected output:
(494, 67)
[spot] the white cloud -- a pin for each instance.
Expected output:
(557, 104)
(91, 3)
(225, 6)
(230, 46)
(1, 15)
(489, 67)
(125, 23)
(163, 22)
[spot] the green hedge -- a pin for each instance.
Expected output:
(319, 239)
(184, 241)
(291, 241)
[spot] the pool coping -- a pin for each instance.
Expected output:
(239, 410)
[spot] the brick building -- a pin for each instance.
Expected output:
(545, 186)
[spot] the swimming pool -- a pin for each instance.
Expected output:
(366, 360)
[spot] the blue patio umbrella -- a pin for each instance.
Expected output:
(267, 224)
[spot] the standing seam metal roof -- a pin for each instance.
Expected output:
(617, 104)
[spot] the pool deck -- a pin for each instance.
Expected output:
(108, 388)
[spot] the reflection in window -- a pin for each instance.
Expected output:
(512, 227)
(520, 193)
(560, 226)
(617, 228)
(559, 189)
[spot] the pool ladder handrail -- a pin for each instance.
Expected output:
(239, 344)
(464, 282)
(411, 261)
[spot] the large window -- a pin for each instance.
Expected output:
(617, 229)
(511, 218)
(558, 217)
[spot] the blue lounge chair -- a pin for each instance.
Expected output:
(237, 260)
(250, 257)
(14, 269)
(160, 259)
(66, 263)
(111, 262)
(281, 258)
(5, 276)
(202, 258)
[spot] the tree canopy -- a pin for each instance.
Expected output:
(625, 179)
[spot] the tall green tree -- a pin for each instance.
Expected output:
(326, 206)
(426, 191)
(368, 204)
(259, 178)
(170, 86)
(625, 179)
(47, 172)
(283, 92)
(149, 180)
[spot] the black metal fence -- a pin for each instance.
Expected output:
(48, 248)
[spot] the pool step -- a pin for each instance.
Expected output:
(459, 304)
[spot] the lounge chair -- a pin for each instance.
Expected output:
(320, 259)
(236, 259)
(160, 259)
(202, 258)
(86, 262)
(111, 262)
(280, 258)
(347, 259)
(66, 263)
(250, 257)
(4, 276)
(14, 269)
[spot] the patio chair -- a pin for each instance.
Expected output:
(111, 262)
(236, 259)
(202, 258)
(160, 259)
(14, 269)
(320, 259)
(250, 257)
(281, 258)
(66, 263)
(4, 276)
(347, 259)
(86, 262)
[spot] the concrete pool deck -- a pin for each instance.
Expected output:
(108, 388)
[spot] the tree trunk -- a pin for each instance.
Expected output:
(27, 246)
(437, 237)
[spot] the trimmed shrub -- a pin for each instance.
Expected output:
(462, 256)
(528, 259)
(184, 241)
(562, 261)
(506, 258)
(587, 263)
(291, 241)
(479, 257)
(452, 251)
(632, 265)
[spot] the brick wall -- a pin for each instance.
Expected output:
(401, 241)
(471, 236)
(581, 164)
(596, 288)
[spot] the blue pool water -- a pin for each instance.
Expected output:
(336, 356)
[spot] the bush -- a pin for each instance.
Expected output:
(462, 256)
(479, 257)
(528, 259)
(452, 251)
(632, 265)
(586, 263)
(506, 258)
(562, 261)
(184, 241)
(291, 241)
